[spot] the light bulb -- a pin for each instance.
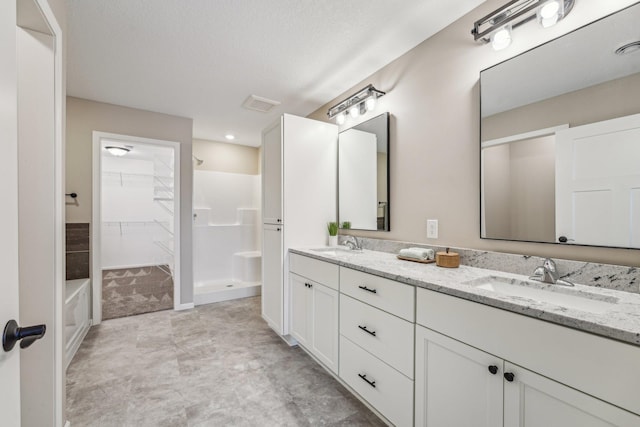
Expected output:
(501, 39)
(340, 118)
(354, 111)
(371, 103)
(549, 13)
(230, 136)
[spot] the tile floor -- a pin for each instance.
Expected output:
(215, 365)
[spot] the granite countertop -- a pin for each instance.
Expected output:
(619, 320)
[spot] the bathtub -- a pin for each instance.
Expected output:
(77, 320)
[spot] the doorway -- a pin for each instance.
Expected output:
(136, 226)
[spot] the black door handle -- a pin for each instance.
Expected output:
(27, 336)
(364, 328)
(493, 369)
(364, 378)
(364, 288)
(509, 376)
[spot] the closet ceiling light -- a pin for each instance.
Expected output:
(515, 13)
(117, 151)
(230, 136)
(356, 104)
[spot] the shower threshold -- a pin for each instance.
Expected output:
(224, 290)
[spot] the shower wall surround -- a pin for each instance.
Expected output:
(609, 276)
(77, 250)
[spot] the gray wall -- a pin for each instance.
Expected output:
(84, 117)
(433, 97)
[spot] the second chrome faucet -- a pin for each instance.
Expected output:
(548, 273)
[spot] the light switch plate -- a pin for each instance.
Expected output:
(432, 229)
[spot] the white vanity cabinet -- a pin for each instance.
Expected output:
(377, 342)
(461, 382)
(314, 308)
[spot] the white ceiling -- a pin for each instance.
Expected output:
(202, 58)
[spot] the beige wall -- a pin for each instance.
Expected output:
(617, 98)
(433, 97)
(225, 157)
(84, 117)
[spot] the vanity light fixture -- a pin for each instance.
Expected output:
(117, 151)
(362, 101)
(230, 136)
(496, 27)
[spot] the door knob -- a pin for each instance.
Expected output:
(509, 376)
(27, 336)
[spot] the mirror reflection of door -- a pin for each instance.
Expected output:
(357, 170)
(598, 183)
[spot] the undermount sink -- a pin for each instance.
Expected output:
(335, 250)
(553, 294)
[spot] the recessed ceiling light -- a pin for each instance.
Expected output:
(230, 136)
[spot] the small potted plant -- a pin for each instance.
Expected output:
(346, 225)
(332, 227)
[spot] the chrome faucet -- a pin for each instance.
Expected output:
(352, 244)
(548, 273)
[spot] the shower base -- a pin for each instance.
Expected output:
(210, 292)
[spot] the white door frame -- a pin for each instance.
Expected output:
(96, 217)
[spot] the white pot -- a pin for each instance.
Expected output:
(333, 240)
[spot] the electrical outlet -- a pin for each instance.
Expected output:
(432, 229)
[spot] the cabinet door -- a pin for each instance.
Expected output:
(454, 385)
(272, 174)
(325, 325)
(272, 271)
(531, 400)
(301, 296)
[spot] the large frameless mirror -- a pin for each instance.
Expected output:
(560, 139)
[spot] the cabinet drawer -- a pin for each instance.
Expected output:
(393, 297)
(386, 389)
(319, 271)
(385, 336)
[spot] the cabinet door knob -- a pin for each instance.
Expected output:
(509, 376)
(493, 369)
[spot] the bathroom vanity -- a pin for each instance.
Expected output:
(424, 345)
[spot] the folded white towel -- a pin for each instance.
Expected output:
(417, 253)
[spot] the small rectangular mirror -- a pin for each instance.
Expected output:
(363, 175)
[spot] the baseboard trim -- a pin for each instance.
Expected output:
(185, 306)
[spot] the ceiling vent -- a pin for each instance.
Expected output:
(258, 103)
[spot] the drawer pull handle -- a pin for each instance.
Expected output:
(493, 369)
(364, 288)
(509, 376)
(308, 285)
(364, 378)
(364, 328)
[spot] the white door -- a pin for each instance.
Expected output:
(272, 272)
(456, 385)
(301, 313)
(31, 214)
(324, 324)
(358, 178)
(272, 174)
(531, 400)
(598, 183)
(9, 302)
